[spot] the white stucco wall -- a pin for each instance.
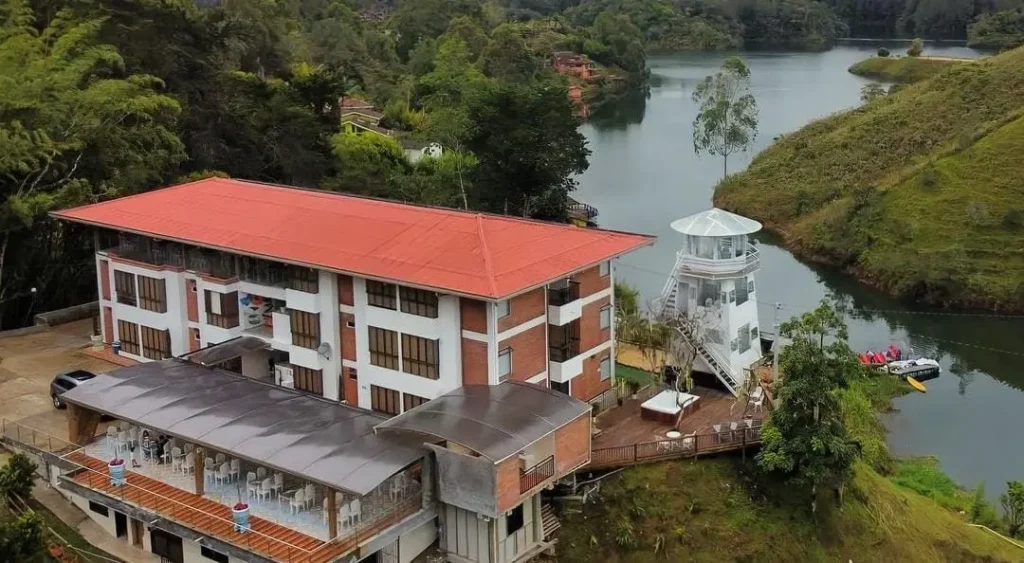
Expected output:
(413, 543)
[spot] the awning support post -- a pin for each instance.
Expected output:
(332, 513)
(198, 462)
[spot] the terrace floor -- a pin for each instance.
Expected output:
(623, 425)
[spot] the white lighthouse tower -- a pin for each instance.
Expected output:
(713, 283)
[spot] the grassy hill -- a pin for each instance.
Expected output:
(918, 192)
(712, 510)
(904, 70)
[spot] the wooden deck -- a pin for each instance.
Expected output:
(627, 439)
(266, 538)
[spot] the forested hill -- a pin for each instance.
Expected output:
(918, 192)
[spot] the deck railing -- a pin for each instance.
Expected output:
(558, 296)
(687, 446)
(536, 475)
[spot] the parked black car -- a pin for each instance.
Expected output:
(66, 381)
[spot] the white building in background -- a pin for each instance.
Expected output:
(713, 281)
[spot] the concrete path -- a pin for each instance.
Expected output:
(90, 530)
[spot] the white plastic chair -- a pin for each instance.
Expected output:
(223, 473)
(310, 494)
(122, 441)
(221, 458)
(176, 458)
(166, 454)
(189, 464)
(234, 469)
(112, 437)
(261, 473)
(297, 502)
(123, 426)
(209, 470)
(758, 403)
(278, 483)
(252, 484)
(264, 490)
(133, 435)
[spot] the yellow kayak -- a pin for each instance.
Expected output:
(916, 384)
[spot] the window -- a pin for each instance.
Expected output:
(383, 400)
(562, 387)
(305, 329)
(129, 335)
(514, 520)
(743, 338)
(308, 380)
(166, 545)
(303, 279)
(418, 302)
(152, 294)
(410, 401)
(211, 554)
(419, 356)
(753, 333)
(504, 364)
(383, 347)
(732, 296)
(750, 285)
(156, 344)
(222, 309)
(380, 294)
(606, 317)
(353, 374)
(124, 287)
(733, 344)
(605, 268)
(606, 368)
(99, 508)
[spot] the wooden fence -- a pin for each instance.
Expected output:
(676, 448)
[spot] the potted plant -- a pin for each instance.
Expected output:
(116, 468)
(240, 513)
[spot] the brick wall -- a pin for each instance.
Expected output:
(474, 362)
(591, 281)
(529, 352)
(473, 315)
(591, 333)
(507, 484)
(525, 307)
(572, 444)
(345, 296)
(348, 337)
(105, 279)
(588, 384)
(192, 300)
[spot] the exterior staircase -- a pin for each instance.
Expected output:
(719, 368)
(549, 521)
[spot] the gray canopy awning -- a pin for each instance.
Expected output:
(229, 350)
(495, 421)
(287, 430)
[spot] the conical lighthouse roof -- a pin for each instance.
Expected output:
(715, 223)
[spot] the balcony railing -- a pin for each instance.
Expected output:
(731, 266)
(530, 478)
(566, 351)
(558, 296)
(222, 321)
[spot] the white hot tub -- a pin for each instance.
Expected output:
(665, 406)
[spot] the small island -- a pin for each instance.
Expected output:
(904, 70)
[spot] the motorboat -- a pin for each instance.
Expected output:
(921, 369)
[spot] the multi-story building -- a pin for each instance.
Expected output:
(454, 321)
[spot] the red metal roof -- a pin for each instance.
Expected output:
(468, 253)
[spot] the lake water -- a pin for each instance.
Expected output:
(644, 174)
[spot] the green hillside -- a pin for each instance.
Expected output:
(905, 70)
(918, 192)
(712, 510)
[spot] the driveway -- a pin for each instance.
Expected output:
(28, 363)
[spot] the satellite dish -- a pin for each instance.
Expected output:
(324, 350)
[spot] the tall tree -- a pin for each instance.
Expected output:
(804, 440)
(73, 127)
(529, 146)
(726, 119)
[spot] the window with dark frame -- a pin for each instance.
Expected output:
(410, 401)
(308, 379)
(504, 364)
(383, 347)
(605, 268)
(380, 294)
(514, 520)
(419, 356)
(99, 508)
(128, 333)
(305, 328)
(384, 400)
(156, 344)
(211, 554)
(124, 287)
(418, 302)
(561, 387)
(605, 368)
(303, 279)
(606, 317)
(152, 294)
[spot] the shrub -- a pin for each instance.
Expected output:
(1013, 219)
(916, 48)
(17, 477)
(883, 52)
(977, 213)
(21, 539)
(929, 179)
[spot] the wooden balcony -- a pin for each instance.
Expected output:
(530, 478)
